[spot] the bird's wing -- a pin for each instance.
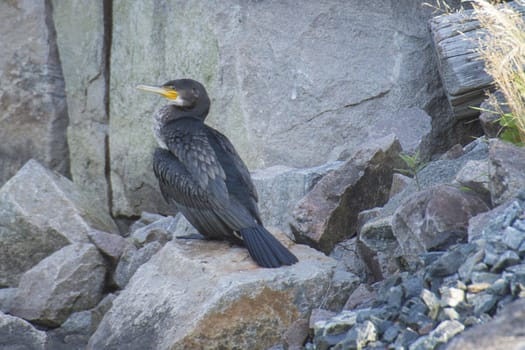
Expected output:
(239, 166)
(176, 184)
(189, 143)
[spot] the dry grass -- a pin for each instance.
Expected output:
(440, 6)
(502, 48)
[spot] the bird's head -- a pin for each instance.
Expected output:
(186, 94)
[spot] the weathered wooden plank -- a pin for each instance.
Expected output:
(463, 75)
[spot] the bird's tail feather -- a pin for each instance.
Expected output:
(265, 249)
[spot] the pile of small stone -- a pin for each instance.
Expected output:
(454, 289)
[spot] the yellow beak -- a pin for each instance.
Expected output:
(169, 93)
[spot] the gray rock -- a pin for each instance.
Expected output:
(131, 259)
(319, 315)
(328, 214)
(449, 262)
(16, 333)
(40, 212)
(69, 280)
(33, 107)
(449, 313)
(424, 215)
(379, 248)
(516, 280)
(513, 237)
(6, 297)
(362, 295)
(499, 287)
(158, 231)
(281, 187)
(414, 314)
(446, 330)
(391, 333)
(339, 324)
(110, 244)
(348, 259)
(481, 276)
(435, 173)
(474, 176)
(203, 302)
(489, 224)
(490, 113)
(315, 104)
(508, 258)
(432, 302)
(399, 183)
(482, 302)
(405, 337)
(359, 336)
(465, 270)
(296, 335)
(82, 32)
(500, 333)
(145, 219)
(506, 164)
(75, 332)
(451, 296)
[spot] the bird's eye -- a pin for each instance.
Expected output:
(195, 91)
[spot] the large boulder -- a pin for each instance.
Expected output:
(40, 212)
(205, 294)
(285, 92)
(16, 333)
(328, 213)
(69, 280)
(33, 113)
(506, 170)
(83, 43)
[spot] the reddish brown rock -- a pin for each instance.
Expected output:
(426, 217)
(328, 214)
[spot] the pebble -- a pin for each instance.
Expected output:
(453, 290)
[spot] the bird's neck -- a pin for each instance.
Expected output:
(170, 113)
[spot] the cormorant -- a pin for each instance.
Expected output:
(203, 177)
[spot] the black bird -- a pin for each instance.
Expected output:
(203, 177)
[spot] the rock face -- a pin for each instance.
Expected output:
(328, 213)
(225, 298)
(33, 113)
(83, 43)
(16, 333)
(40, 212)
(315, 103)
(506, 166)
(428, 217)
(69, 280)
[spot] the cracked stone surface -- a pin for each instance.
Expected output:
(285, 92)
(33, 112)
(85, 75)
